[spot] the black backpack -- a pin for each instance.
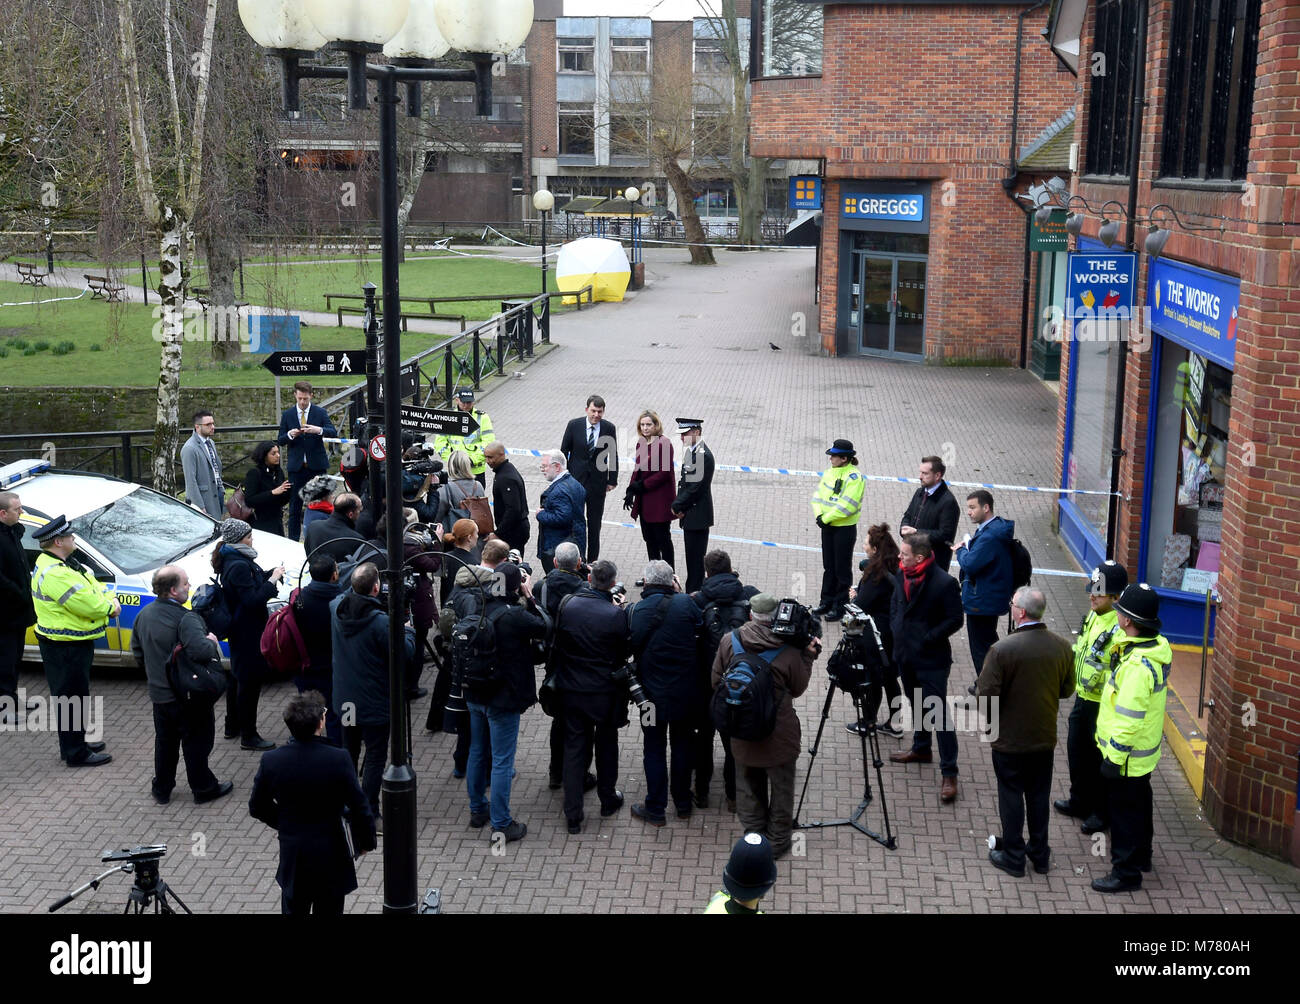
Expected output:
(199, 683)
(209, 602)
(746, 700)
(720, 618)
(366, 551)
(1022, 566)
(474, 651)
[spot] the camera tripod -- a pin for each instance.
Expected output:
(860, 694)
(147, 890)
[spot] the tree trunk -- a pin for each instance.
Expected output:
(751, 197)
(223, 325)
(701, 253)
(409, 186)
(171, 334)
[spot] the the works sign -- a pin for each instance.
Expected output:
(1099, 293)
(1195, 307)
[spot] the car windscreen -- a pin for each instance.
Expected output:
(144, 530)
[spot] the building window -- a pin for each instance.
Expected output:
(792, 39)
(716, 200)
(1211, 91)
(1111, 104)
(629, 134)
(710, 135)
(631, 55)
(577, 129)
(711, 56)
(576, 55)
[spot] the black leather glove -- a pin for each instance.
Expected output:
(820, 523)
(1110, 771)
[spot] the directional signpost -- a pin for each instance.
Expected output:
(406, 377)
(321, 362)
(438, 423)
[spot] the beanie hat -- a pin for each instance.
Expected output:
(763, 603)
(234, 530)
(511, 576)
(751, 870)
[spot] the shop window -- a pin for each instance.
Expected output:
(716, 201)
(577, 130)
(631, 55)
(710, 56)
(791, 39)
(1095, 377)
(576, 55)
(1111, 79)
(1211, 90)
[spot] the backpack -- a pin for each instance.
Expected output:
(546, 693)
(471, 507)
(201, 683)
(209, 602)
(283, 647)
(474, 651)
(745, 703)
(1022, 566)
(720, 618)
(365, 551)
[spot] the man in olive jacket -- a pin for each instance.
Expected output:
(1026, 675)
(765, 788)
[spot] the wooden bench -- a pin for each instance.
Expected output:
(379, 300)
(103, 286)
(29, 274)
(203, 296)
(405, 316)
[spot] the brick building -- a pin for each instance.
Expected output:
(921, 115)
(1210, 475)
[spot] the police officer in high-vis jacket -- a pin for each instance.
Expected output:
(72, 610)
(749, 875)
(837, 505)
(474, 443)
(1130, 726)
(1099, 635)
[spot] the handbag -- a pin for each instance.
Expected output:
(202, 683)
(237, 506)
(480, 511)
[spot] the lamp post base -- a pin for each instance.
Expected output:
(637, 281)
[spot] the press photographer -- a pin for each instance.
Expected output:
(421, 470)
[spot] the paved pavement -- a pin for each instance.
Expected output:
(696, 342)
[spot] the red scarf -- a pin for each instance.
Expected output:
(912, 576)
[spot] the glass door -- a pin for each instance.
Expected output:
(876, 281)
(888, 299)
(909, 315)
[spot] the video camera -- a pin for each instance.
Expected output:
(421, 458)
(135, 855)
(795, 623)
(860, 659)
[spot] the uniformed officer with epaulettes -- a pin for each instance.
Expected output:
(72, 609)
(473, 444)
(1099, 635)
(694, 502)
(837, 505)
(1130, 727)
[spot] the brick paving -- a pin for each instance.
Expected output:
(695, 342)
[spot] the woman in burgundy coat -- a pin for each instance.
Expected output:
(653, 488)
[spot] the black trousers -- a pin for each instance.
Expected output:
(67, 670)
(660, 778)
(11, 657)
(837, 563)
(1131, 827)
(1087, 792)
(658, 539)
(187, 727)
(702, 760)
(591, 721)
(595, 513)
(242, 696)
(1024, 789)
(696, 543)
(982, 633)
(298, 479)
(375, 738)
(321, 904)
(932, 685)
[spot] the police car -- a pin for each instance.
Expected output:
(125, 532)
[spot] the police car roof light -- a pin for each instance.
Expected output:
(21, 470)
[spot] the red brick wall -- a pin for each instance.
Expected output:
(1251, 769)
(544, 130)
(925, 93)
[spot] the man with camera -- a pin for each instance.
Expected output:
(665, 626)
(766, 767)
(591, 647)
(567, 577)
(497, 693)
(924, 613)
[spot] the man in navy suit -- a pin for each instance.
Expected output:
(303, 429)
(590, 446)
(302, 791)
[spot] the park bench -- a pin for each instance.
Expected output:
(203, 295)
(379, 300)
(404, 316)
(103, 286)
(29, 274)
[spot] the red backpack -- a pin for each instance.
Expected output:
(282, 645)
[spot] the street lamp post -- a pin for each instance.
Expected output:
(411, 33)
(633, 195)
(544, 202)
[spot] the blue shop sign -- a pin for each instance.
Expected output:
(1099, 293)
(902, 206)
(805, 192)
(1195, 307)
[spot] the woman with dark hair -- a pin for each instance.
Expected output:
(266, 489)
(246, 588)
(873, 595)
(653, 487)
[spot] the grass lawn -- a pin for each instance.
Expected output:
(128, 355)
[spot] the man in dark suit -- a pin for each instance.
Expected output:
(509, 498)
(924, 613)
(303, 429)
(934, 511)
(307, 790)
(694, 502)
(590, 446)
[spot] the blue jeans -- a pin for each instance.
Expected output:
(493, 734)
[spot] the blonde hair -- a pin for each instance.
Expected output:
(459, 466)
(659, 426)
(462, 531)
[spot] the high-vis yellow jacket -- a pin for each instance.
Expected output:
(1131, 719)
(71, 605)
(472, 444)
(838, 500)
(1098, 637)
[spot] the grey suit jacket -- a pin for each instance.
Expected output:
(201, 488)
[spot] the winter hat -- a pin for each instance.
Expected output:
(234, 530)
(751, 870)
(763, 603)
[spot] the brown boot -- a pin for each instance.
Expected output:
(948, 790)
(910, 756)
